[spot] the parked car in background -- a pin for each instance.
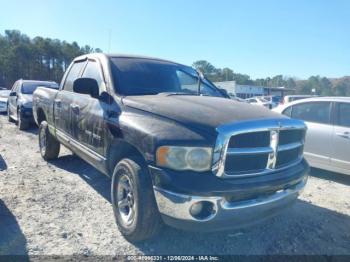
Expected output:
(327, 144)
(19, 107)
(288, 99)
(291, 98)
(177, 149)
(274, 100)
(238, 99)
(4, 94)
(259, 101)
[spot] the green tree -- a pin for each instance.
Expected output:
(38, 58)
(205, 67)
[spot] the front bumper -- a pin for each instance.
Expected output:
(254, 205)
(175, 209)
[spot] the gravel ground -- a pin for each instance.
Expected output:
(63, 208)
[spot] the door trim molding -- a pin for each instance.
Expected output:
(78, 146)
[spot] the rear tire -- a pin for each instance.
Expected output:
(145, 222)
(48, 144)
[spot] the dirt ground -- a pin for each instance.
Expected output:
(64, 208)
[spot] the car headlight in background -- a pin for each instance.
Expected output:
(185, 158)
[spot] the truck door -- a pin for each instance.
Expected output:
(89, 125)
(341, 138)
(64, 99)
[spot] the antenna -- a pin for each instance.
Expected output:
(109, 40)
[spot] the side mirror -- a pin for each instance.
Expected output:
(88, 86)
(13, 94)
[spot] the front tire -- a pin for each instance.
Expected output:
(9, 118)
(48, 144)
(133, 201)
(22, 124)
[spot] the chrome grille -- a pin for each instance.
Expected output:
(257, 147)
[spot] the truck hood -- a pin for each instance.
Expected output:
(198, 111)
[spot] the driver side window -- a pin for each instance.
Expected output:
(92, 70)
(73, 74)
(187, 82)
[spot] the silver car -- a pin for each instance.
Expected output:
(259, 101)
(21, 99)
(4, 95)
(327, 144)
(291, 98)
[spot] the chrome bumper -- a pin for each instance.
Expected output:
(175, 209)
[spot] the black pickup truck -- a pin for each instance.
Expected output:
(177, 149)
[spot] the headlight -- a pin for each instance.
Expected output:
(185, 158)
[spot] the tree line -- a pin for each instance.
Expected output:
(316, 85)
(35, 58)
(47, 59)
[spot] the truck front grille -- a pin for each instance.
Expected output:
(246, 140)
(290, 136)
(257, 148)
(288, 156)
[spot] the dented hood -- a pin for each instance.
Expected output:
(203, 111)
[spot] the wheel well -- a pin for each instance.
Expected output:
(120, 149)
(40, 116)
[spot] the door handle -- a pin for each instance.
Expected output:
(75, 108)
(344, 135)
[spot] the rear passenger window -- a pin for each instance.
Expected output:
(344, 114)
(317, 112)
(73, 74)
(288, 111)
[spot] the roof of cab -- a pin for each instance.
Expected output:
(107, 56)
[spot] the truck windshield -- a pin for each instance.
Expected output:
(141, 76)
